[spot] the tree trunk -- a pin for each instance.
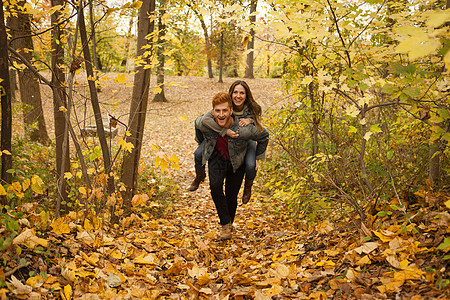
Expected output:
(59, 97)
(5, 92)
(362, 162)
(29, 85)
(127, 43)
(315, 120)
(13, 82)
(138, 108)
(251, 42)
(221, 58)
(160, 97)
(94, 40)
(207, 43)
(95, 104)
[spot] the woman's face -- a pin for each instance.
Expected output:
(238, 97)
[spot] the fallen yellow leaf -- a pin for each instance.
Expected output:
(364, 261)
(68, 292)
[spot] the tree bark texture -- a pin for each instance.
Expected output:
(138, 107)
(5, 92)
(94, 39)
(59, 97)
(95, 103)
(207, 43)
(29, 87)
(127, 43)
(160, 97)
(315, 120)
(251, 42)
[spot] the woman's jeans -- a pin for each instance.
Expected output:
(250, 161)
(199, 151)
(198, 155)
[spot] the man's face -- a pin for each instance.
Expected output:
(222, 114)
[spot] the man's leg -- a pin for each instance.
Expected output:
(232, 185)
(217, 169)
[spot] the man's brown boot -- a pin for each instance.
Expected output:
(225, 232)
(200, 175)
(247, 191)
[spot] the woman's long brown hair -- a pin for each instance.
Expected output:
(253, 106)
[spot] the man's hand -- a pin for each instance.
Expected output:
(232, 134)
(244, 122)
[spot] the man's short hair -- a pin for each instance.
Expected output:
(220, 98)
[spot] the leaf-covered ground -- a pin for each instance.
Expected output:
(179, 257)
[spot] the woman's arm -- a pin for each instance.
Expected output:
(245, 118)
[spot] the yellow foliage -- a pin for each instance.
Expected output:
(2, 191)
(126, 146)
(120, 78)
(59, 227)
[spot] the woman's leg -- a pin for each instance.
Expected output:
(200, 173)
(250, 170)
(198, 155)
(250, 161)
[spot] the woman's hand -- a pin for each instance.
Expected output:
(232, 134)
(244, 122)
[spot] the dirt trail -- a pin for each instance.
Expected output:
(185, 256)
(195, 262)
(170, 126)
(179, 256)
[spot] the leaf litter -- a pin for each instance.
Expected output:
(178, 255)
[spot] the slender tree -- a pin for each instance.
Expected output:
(95, 103)
(28, 83)
(221, 57)
(59, 97)
(5, 92)
(207, 39)
(160, 48)
(251, 42)
(127, 42)
(94, 39)
(139, 101)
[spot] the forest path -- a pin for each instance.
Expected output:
(195, 262)
(178, 255)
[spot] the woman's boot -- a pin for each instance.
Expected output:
(247, 191)
(200, 175)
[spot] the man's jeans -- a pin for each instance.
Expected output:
(220, 170)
